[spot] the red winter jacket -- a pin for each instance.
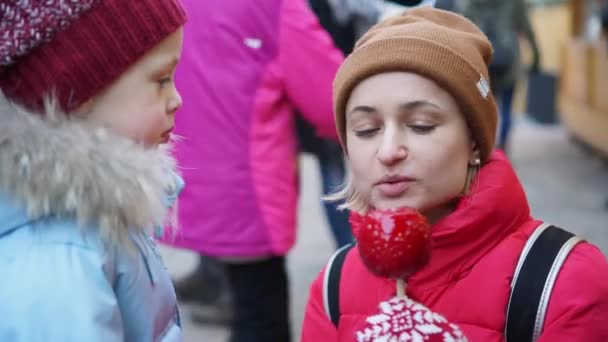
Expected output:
(475, 250)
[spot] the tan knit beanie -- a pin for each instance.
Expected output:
(436, 44)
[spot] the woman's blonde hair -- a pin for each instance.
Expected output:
(351, 197)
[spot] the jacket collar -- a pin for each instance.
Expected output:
(53, 165)
(495, 208)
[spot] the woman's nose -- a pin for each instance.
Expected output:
(392, 149)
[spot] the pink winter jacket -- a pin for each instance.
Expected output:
(245, 68)
(475, 250)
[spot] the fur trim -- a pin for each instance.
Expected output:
(60, 166)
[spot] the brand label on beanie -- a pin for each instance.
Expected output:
(483, 86)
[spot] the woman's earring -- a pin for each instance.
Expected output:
(477, 160)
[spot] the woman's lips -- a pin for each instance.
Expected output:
(394, 185)
(165, 137)
(393, 189)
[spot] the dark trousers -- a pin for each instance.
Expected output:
(214, 280)
(261, 301)
(333, 174)
(332, 169)
(505, 98)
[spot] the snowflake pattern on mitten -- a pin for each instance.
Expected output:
(404, 320)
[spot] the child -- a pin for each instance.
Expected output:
(90, 97)
(417, 119)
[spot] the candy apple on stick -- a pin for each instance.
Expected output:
(393, 243)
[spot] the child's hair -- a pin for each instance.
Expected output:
(74, 49)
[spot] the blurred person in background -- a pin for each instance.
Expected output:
(503, 22)
(328, 151)
(447, 5)
(248, 67)
(604, 9)
(208, 289)
(361, 15)
(83, 181)
(333, 173)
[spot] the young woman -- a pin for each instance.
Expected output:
(417, 119)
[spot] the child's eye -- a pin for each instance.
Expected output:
(164, 80)
(366, 132)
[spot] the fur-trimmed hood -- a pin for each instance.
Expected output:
(53, 165)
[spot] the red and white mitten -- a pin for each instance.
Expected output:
(404, 320)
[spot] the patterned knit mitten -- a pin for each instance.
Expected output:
(402, 319)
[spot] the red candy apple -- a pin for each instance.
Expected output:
(392, 243)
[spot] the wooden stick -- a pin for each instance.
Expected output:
(401, 288)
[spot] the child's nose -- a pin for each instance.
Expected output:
(175, 103)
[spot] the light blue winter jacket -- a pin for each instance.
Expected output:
(68, 193)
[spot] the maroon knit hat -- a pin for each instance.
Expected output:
(72, 49)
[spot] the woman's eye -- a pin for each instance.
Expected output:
(366, 132)
(422, 128)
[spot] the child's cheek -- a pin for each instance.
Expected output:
(151, 127)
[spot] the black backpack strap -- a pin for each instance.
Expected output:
(331, 283)
(539, 263)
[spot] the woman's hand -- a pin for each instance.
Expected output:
(402, 319)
